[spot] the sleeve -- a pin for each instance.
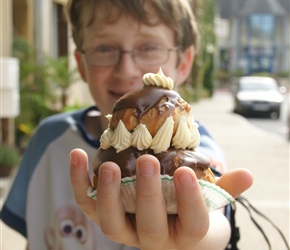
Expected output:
(14, 209)
(211, 149)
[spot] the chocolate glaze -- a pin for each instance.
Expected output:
(147, 98)
(169, 160)
(143, 100)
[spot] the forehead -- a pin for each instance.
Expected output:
(100, 18)
(110, 11)
(123, 28)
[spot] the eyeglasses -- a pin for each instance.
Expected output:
(148, 55)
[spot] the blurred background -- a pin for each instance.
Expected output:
(238, 38)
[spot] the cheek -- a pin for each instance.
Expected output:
(97, 81)
(95, 74)
(96, 78)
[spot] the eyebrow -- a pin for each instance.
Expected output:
(105, 35)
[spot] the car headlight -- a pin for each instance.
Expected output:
(276, 98)
(243, 98)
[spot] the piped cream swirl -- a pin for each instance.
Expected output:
(141, 137)
(106, 138)
(121, 138)
(159, 80)
(182, 136)
(161, 141)
(186, 136)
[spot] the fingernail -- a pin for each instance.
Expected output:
(106, 176)
(74, 159)
(185, 179)
(146, 168)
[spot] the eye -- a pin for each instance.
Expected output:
(104, 49)
(149, 47)
(80, 233)
(66, 228)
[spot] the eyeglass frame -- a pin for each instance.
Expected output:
(133, 54)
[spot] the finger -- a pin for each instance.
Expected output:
(193, 218)
(80, 181)
(111, 212)
(235, 181)
(151, 213)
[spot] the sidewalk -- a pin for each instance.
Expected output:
(265, 154)
(245, 146)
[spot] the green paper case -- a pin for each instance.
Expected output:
(214, 196)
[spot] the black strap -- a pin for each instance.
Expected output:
(235, 232)
(230, 211)
(249, 207)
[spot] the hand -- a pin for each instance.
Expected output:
(151, 228)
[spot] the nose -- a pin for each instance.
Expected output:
(126, 69)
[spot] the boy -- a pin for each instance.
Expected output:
(117, 42)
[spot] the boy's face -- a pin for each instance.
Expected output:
(108, 83)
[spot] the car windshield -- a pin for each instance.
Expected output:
(258, 86)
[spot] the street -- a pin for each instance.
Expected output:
(278, 126)
(265, 154)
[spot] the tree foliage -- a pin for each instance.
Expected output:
(39, 83)
(60, 76)
(35, 93)
(202, 74)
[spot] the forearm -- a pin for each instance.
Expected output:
(218, 234)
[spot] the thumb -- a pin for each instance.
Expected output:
(236, 181)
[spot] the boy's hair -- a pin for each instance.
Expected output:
(176, 14)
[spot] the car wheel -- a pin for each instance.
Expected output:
(236, 107)
(275, 114)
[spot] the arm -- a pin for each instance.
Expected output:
(219, 232)
(193, 228)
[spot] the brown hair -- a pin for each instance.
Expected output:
(176, 14)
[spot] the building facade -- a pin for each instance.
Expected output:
(43, 24)
(253, 36)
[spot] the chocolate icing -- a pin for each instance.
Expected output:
(143, 100)
(153, 95)
(169, 160)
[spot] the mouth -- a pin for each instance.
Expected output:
(117, 95)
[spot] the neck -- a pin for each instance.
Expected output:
(95, 124)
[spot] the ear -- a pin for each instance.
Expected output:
(80, 63)
(185, 65)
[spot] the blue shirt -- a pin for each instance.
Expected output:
(41, 204)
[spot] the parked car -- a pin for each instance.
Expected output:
(257, 94)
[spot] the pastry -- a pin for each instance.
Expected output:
(152, 120)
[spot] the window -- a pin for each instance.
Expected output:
(261, 29)
(60, 31)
